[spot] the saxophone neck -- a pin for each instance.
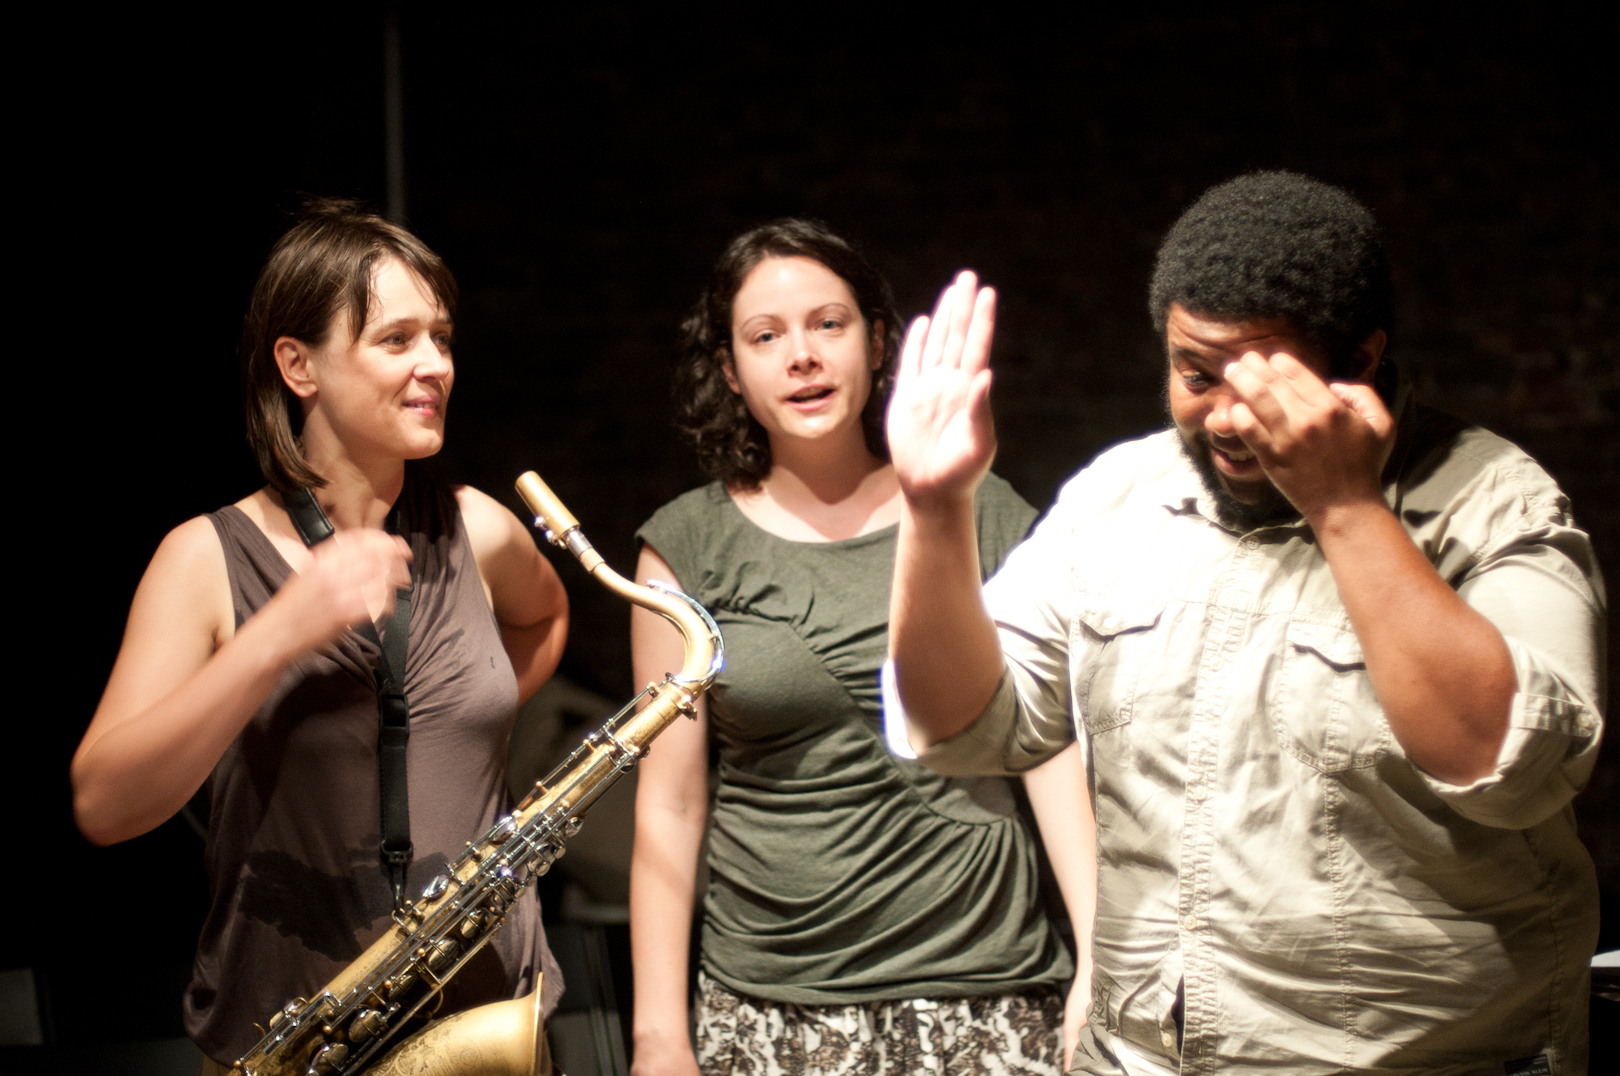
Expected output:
(705, 650)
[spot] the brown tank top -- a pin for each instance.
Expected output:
(297, 889)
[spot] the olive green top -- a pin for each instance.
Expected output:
(839, 873)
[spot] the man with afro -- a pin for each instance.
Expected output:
(1334, 660)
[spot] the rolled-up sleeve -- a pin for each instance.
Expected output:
(1542, 590)
(1028, 720)
(978, 749)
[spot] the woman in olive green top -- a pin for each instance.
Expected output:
(863, 915)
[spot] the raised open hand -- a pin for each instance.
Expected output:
(941, 436)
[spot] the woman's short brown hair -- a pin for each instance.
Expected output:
(322, 267)
(731, 445)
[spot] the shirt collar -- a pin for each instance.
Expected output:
(1180, 488)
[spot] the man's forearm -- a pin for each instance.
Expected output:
(947, 656)
(1441, 671)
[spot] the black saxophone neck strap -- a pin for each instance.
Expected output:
(393, 712)
(307, 518)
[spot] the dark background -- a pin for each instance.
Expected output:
(579, 171)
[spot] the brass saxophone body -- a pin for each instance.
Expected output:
(345, 1028)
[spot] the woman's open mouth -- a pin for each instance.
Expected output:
(810, 395)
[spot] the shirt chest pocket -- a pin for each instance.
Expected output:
(1322, 704)
(1112, 644)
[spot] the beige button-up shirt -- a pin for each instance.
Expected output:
(1262, 837)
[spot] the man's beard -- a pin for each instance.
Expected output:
(1272, 507)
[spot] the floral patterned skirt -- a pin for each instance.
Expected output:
(994, 1035)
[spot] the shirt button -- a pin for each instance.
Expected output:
(1199, 793)
(1168, 1038)
(1189, 922)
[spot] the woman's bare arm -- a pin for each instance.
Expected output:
(1058, 793)
(186, 682)
(672, 803)
(530, 604)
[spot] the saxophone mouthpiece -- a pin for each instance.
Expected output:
(548, 509)
(554, 520)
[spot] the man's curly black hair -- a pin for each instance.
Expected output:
(1279, 244)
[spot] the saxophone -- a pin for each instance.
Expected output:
(344, 1029)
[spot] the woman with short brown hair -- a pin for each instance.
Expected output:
(242, 671)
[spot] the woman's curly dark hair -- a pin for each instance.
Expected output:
(731, 445)
(1279, 244)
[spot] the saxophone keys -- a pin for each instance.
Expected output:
(442, 955)
(289, 1009)
(366, 1023)
(327, 1059)
(435, 888)
(409, 917)
(471, 924)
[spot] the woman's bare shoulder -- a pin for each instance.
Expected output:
(187, 582)
(521, 585)
(188, 579)
(196, 535)
(490, 524)
(265, 512)
(470, 498)
(500, 543)
(259, 507)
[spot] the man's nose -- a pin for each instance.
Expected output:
(1218, 419)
